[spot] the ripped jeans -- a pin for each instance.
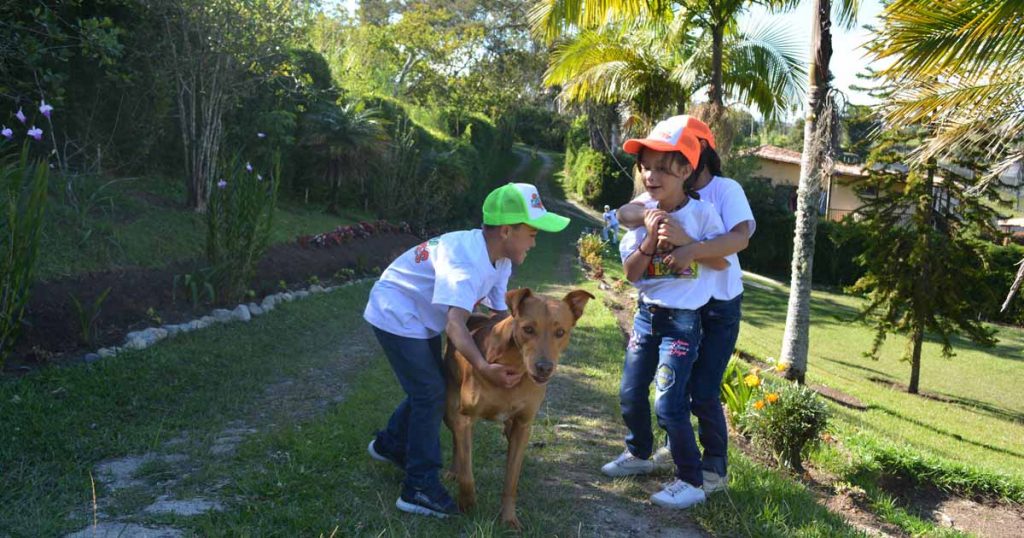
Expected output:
(662, 348)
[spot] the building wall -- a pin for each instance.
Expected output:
(842, 201)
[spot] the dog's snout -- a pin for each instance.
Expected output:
(545, 367)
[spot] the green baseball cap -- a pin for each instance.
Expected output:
(519, 203)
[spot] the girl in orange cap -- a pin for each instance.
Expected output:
(720, 317)
(666, 332)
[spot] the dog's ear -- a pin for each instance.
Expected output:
(515, 298)
(577, 299)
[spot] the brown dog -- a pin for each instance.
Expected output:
(530, 340)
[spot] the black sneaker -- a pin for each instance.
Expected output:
(431, 501)
(381, 455)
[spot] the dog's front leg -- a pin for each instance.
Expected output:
(462, 434)
(517, 430)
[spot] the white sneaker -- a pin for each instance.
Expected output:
(627, 465)
(714, 482)
(678, 495)
(662, 458)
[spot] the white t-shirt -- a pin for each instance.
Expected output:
(727, 196)
(414, 293)
(659, 285)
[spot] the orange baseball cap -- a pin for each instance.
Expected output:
(672, 134)
(698, 128)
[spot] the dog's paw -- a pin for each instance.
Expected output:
(466, 502)
(450, 474)
(511, 521)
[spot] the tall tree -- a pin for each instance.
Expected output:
(956, 68)
(216, 50)
(820, 142)
(918, 228)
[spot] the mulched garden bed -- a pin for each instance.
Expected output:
(141, 297)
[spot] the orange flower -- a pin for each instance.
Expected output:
(772, 397)
(759, 405)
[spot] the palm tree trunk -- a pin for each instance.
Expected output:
(814, 164)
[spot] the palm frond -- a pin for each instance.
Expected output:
(925, 38)
(551, 19)
(765, 68)
(612, 65)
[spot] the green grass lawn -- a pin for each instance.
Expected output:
(981, 421)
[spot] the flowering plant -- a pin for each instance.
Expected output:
(786, 422)
(739, 387)
(23, 185)
(343, 234)
(238, 223)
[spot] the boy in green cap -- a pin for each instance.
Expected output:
(431, 288)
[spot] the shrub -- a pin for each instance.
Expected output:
(23, 183)
(238, 223)
(786, 422)
(537, 126)
(590, 247)
(596, 178)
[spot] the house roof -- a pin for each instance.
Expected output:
(783, 155)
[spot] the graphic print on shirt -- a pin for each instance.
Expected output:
(423, 250)
(657, 268)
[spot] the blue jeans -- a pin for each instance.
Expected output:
(614, 229)
(663, 349)
(720, 324)
(414, 430)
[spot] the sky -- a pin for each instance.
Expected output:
(848, 54)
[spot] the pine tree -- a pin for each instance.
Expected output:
(925, 261)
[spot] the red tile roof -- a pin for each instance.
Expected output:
(783, 155)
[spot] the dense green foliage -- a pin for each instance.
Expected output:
(23, 182)
(597, 177)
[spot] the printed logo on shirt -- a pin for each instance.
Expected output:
(422, 252)
(535, 201)
(657, 268)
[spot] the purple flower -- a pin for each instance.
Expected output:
(36, 133)
(261, 135)
(248, 167)
(221, 184)
(44, 108)
(7, 132)
(21, 116)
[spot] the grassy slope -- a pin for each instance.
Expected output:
(140, 222)
(985, 425)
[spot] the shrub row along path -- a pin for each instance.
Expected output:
(261, 427)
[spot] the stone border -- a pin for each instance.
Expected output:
(137, 340)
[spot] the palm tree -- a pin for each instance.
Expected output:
(715, 20)
(820, 137)
(347, 139)
(628, 63)
(956, 69)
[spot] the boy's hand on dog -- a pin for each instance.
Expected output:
(501, 375)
